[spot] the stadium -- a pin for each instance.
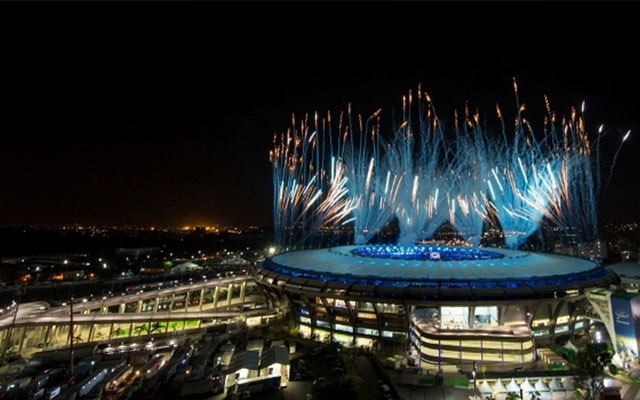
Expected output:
(450, 305)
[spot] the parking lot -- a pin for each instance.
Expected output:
(327, 369)
(320, 372)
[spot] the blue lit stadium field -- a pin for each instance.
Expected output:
(436, 266)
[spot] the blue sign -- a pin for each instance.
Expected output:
(625, 311)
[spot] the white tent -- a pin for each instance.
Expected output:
(500, 392)
(513, 386)
(570, 346)
(541, 386)
(485, 387)
(567, 384)
(554, 385)
(543, 389)
(557, 391)
(527, 388)
(498, 387)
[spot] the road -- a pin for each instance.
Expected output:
(434, 393)
(293, 391)
(632, 391)
(371, 377)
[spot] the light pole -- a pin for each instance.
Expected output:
(5, 346)
(474, 379)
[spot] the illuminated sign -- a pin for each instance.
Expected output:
(625, 308)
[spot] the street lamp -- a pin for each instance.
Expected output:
(474, 379)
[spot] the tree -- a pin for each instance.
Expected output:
(119, 332)
(174, 325)
(513, 396)
(139, 330)
(156, 326)
(590, 364)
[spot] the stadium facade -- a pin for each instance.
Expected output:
(450, 305)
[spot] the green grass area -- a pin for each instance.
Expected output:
(191, 324)
(141, 329)
(426, 379)
(176, 325)
(120, 332)
(628, 378)
(450, 381)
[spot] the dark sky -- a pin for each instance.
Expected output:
(163, 113)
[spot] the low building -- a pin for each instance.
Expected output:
(185, 267)
(275, 362)
(244, 364)
(629, 273)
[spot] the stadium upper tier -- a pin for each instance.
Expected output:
(439, 267)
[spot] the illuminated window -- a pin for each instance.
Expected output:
(485, 317)
(367, 331)
(343, 328)
(323, 324)
(454, 318)
(339, 303)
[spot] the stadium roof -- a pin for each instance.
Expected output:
(513, 265)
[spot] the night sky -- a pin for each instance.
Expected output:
(163, 114)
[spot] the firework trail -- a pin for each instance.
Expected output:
(615, 157)
(416, 161)
(467, 203)
(329, 175)
(517, 194)
(307, 196)
(370, 209)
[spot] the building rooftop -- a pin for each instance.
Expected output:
(249, 359)
(274, 355)
(626, 269)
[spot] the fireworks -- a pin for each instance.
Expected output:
(346, 172)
